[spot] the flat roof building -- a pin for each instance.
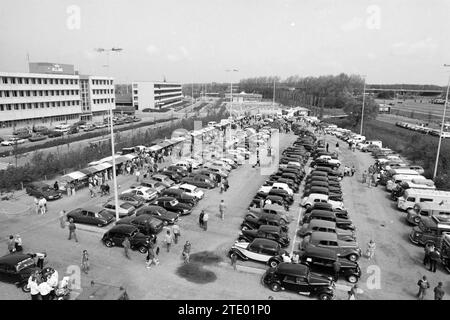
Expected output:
(155, 95)
(244, 97)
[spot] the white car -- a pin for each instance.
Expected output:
(277, 185)
(230, 162)
(317, 197)
(148, 194)
(184, 164)
(330, 160)
(222, 164)
(191, 190)
(261, 250)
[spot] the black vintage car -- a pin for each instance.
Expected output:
(341, 222)
(267, 232)
(87, 216)
(40, 189)
(172, 204)
(117, 234)
(147, 224)
(321, 260)
(256, 202)
(298, 278)
(167, 217)
(252, 223)
(16, 268)
(174, 176)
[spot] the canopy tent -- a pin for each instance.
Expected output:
(120, 159)
(155, 148)
(178, 139)
(76, 175)
(104, 166)
(165, 144)
(130, 156)
(89, 171)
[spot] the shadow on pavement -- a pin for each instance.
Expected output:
(194, 271)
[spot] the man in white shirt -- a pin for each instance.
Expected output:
(44, 290)
(43, 205)
(205, 221)
(53, 282)
(34, 288)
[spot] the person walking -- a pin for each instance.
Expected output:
(85, 262)
(221, 186)
(423, 287)
(364, 176)
(62, 219)
(176, 233)
(186, 252)
(33, 286)
(138, 175)
(36, 205)
(168, 240)
(439, 292)
(40, 259)
(150, 259)
(327, 146)
(72, 228)
(91, 189)
(222, 209)
(42, 205)
(353, 170)
(225, 184)
(18, 243)
(233, 258)
(205, 221)
(435, 257)
(375, 178)
(336, 269)
(56, 186)
(371, 246)
(126, 247)
(352, 293)
(73, 188)
(11, 244)
(200, 218)
(428, 249)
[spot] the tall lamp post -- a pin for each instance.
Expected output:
(363, 102)
(231, 88)
(116, 197)
(442, 127)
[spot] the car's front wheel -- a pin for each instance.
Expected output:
(352, 278)
(109, 243)
(143, 249)
(275, 287)
(324, 296)
(353, 257)
(25, 288)
(273, 263)
(245, 228)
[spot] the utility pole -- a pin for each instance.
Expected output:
(362, 111)
(442, 127)
(116, 197)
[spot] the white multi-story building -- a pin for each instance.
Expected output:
(55, 95)
(155, 95)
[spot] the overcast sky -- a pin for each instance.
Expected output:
(400, 41)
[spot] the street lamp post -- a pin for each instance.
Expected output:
(231, 105)
(442, 127)
(116, 197)
(362, 111)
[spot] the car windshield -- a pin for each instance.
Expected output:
(126, 206)
(154, 223)
(423, 227)
(25, 264)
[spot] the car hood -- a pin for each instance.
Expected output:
(241, 245)
(250, 233)
(316, 279)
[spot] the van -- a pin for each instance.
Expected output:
(398, 190)
(399, 178)
(385, 176)
(413, 196)
(427, 209)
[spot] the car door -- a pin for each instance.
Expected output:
(254, 252)
(118, 238)
(90, 217)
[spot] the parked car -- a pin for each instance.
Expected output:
(16, 268)
(165, 180)
(316, 197)
(38, 137)
(298, 278)
(173, 175)
(341, 218)
(180, 195)
(172, 204)
(261, 250)
(191, 190)
(167, 217)
(146, 193)
(125, 209)
(146, 223)
(321, 260)
(200, 181)
(155, 185)
(135, 200)
(251, 223)
(346, 249)
(89, 216)
(325, 226)
(54, 134)
(117, 234)
(41, 189)
(267, 232)
(273, 209)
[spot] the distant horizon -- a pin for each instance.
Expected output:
(391, 42)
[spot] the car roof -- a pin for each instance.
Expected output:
(319, 235)
(166, 198)
(270, 229)
(14, 258)
(319, 252)
(322, 223)
(265, 243)
(125, 228)
(318, 196)
(292, 269)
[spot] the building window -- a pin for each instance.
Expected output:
(7, 94)
(23, 106)
(33, 80)
(25, 80)
(13, 80)
(5, 80)
(16, 107)
(8, 107)
(14, 93)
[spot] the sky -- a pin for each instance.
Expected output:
(401, 41)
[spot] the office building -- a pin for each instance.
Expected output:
(244, 97)
(56, 94)
(155, 95)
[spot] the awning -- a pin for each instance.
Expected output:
(104, 165)
(155, 148)
(178, 139)
(89, 171)
(196, 133)
(165, 144)
(121, 159)
(130, 156)
(76, 175)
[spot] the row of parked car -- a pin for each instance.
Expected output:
(427, 209)
(422, 129)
